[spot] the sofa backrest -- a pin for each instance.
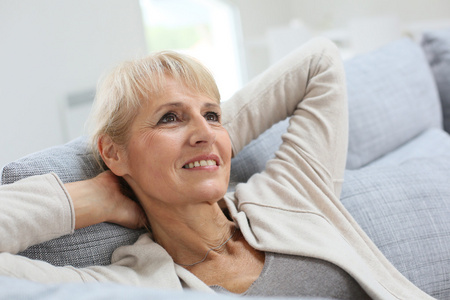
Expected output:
(392, 98)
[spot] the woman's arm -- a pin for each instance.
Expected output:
(34, 210)
(309, 85)
(100, 199)
(41, 208)
(144, 263)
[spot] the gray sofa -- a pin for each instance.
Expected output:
(397, 182)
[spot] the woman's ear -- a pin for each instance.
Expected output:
(113, 155)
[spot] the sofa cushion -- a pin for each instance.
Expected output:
(432, 142)
(392, 98)
(437, 48)
(87, 246)
(405, 210)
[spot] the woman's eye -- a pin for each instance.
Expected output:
(212, 116)
(168, 118)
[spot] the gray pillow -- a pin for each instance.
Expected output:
(71, 162)
(253, 157)
(437, 47)
(392, 98)
(88, 246)
(405, 210)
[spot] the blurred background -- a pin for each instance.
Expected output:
(53, 52)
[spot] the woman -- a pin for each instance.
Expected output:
(160, 127)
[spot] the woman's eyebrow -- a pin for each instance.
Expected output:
(170, 104)
(211, 105)
(181, 104)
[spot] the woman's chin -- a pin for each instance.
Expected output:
(209, 193)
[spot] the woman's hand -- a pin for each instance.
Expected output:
(100, 200)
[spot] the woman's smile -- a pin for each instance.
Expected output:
(204, 162)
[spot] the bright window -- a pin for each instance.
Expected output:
(205, 29)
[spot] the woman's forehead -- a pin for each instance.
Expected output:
(176, 92)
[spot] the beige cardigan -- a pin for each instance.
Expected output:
(292, 207)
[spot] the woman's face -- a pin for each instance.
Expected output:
(178, 151)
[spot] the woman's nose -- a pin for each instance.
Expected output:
(201, 132)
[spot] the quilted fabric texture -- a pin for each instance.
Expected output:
(392, 98)
(405, 210)
(88, 246)
(437, 47)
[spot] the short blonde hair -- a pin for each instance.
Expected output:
(120, 93)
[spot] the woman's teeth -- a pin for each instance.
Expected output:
(200, 163)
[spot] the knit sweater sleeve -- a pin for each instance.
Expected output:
(34, 210)
(308, 86)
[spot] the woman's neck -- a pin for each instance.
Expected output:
(188, 233)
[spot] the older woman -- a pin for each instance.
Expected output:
(160, 127)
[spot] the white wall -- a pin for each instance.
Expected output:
(261, 16)
(50, 49)
(257, 16)
(326, 14)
